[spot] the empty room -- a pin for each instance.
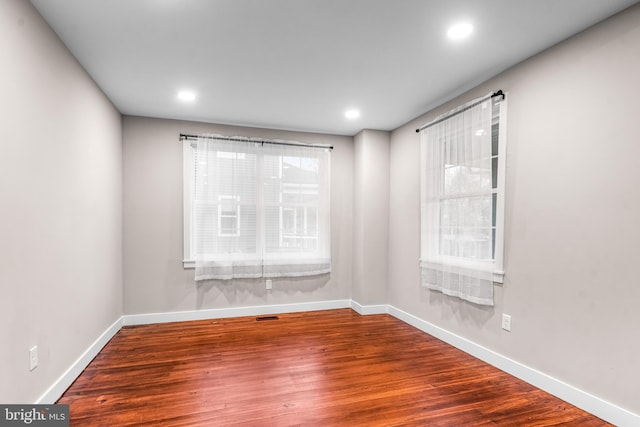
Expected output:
(319, 212)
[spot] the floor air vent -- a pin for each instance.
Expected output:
(261, 318)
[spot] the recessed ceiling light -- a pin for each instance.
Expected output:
(352, 114)
(185, 95)
(460, 31)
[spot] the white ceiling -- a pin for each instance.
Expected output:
(299, 64)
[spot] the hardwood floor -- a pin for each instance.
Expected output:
(323, 368)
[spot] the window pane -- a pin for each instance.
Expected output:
(292, 189)
(312, 222)
(288, 220)
(494, 204)
(493, 243)
(447, 241)
(247, 239)
(207, 219)
(449, 213)
(466, 179)
(232, 176)
(484, 244)
(494, 172)
(228, 225)
(463, 225)
(494, 139)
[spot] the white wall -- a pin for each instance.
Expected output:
(572, 211)
(60, 206)
(154, 279)
(371, 217)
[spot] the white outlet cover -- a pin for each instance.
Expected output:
(506, 322)
(33, 357)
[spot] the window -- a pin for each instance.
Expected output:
(255, 210)
(298, 221)
(462, 200)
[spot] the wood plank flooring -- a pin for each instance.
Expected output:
(323, 368)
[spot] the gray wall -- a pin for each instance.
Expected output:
(371, 217)
(61, 201)
(154, 279)
(572, 211)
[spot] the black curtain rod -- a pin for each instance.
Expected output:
(184, 136)
(493, 95)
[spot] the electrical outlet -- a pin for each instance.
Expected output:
(33, 358)
(506, 322)
(269, 284)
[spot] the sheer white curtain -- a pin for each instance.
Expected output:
(260, 210)
(457, 237)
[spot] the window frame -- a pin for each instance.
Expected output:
(497, 263)
(285, 233)
(188, 183)
(188, 261)
(498, 274)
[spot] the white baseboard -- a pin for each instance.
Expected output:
(369, 309)
(588, 402)
(55, 391)
(219, 313)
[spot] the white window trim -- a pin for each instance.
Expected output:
(498, 269)
(188, 181)
(188, 261)
(496, 265)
